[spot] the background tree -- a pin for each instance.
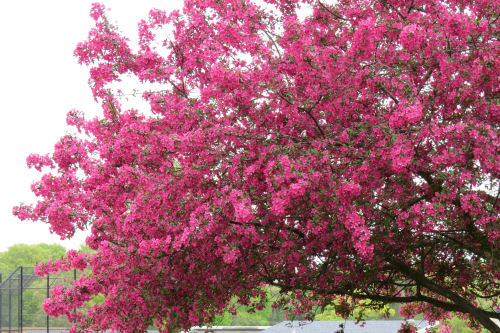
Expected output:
(353, 152)
(29, 256)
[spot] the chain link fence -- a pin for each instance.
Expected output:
(22, 293)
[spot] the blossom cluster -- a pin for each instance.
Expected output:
(353, 152)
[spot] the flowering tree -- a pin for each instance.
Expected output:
(351, 153)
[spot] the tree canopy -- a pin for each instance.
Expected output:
(28, 255)
(344, 150)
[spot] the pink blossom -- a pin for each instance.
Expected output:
(349, 155)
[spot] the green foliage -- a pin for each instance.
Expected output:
(27, 255)
(460, 327)
(249, 316)
(98, 299)
(362, 311)
(328, 314)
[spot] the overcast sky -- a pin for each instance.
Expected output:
(40, 82)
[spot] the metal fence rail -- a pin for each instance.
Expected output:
(21, 296)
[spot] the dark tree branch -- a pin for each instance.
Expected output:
(381, 87)
(460, 304)
(426, 78)
(337, 16)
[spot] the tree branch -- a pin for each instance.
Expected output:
(388, 92)
(460, 303)
(337, 16)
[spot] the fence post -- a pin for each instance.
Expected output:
(1, 305)
(74, 279)
(10, 305)
(48, 295)
(21, 307)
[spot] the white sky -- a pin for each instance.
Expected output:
(40, 81)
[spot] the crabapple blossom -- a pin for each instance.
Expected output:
(351, 154)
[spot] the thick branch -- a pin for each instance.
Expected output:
(384, 89)
(337, 16)
(460, 303)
